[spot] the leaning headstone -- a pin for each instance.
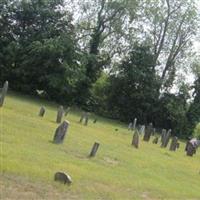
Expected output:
(3, 93)
(60, 114)
(135, 140)
(148, 132)
(67, 111)
(134, 124)
(166, 139)
(63, 178)
(155, 140)
(60, 132)
(130, 125)
(42, 111)
(173, 144)
(94, 149)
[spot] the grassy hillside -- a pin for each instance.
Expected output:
(29, 159)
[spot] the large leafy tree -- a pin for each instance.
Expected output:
(40, 49)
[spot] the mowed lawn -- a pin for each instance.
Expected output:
(29, 159)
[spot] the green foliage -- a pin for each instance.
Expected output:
(196, 132)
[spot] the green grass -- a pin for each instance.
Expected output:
(29, 159)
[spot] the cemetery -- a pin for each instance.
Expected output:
(99, 100)
(68, 160)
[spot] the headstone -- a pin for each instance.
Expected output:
(95, 120)
(60, 114)
(135, 140)
(63, 178)
(173, 144)
(163, 135)
(3, 93)
(67, 111)
(130, 125)
(134, 123)
(86, 119)
(177, 145)
(166, 139)
(42, 111)
(148, 132)
(155, 140)
(192, 146)
(60, 132)
(142, 130)
(94, 149)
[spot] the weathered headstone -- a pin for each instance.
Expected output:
(192, 146)
(135, 140)
(166, 139)
(63, 178)
(3, 93)
(67, 111)
(42, 111)
(173, 144)
(60, 114)
(163, 135)
(155, 140)
(86, 119)
(94, 149)
(60, 132)
(142, 130)
(148, 132)
(130, 125)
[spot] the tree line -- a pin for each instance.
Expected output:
(118, 58)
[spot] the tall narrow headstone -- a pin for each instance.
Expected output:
(148, 132)
(3, 93)
(173, 144)
(94, 149)
(42, 111)
(59, 114)
(166, 139)
(60, 132)
(134, 123)
(163, 135)
(86, 119)
(135, 140)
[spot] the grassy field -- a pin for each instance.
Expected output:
(29, 159)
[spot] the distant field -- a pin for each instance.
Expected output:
(119, 171)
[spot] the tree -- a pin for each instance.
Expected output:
(168, 26)
(132, 89)
(193, 114)
(41, 53)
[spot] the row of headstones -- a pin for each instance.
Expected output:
(190, 148)
(3, 93)
(61, 130)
